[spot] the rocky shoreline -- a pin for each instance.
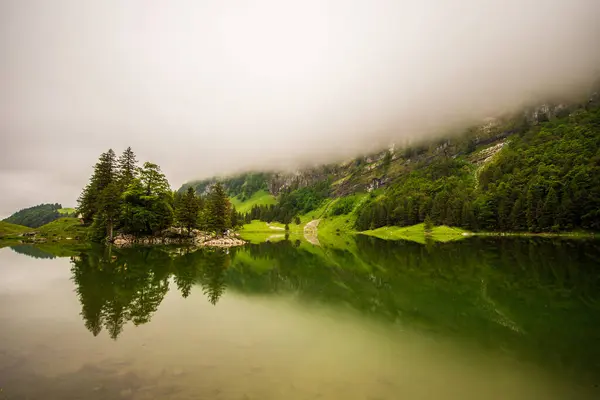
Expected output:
(180, 236)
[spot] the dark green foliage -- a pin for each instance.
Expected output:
(343, 206)
(127, 168)
(219, 209)
(36, 216)
(292, 202)
(440, 190)
(243, 185)
(546, 179)
(122, 197)
(148, 203)
(428, 224)
(105, 172)
(187, 210)
(236, 219)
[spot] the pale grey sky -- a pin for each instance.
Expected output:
(206, 87)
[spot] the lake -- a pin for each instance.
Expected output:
(481, 318)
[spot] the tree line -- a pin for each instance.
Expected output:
(291, 203)
(125, 198)
(547, 179)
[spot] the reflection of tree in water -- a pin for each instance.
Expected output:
(212, 274)
(114, 289)
(120, 286)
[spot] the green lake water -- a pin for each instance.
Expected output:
(482, 318)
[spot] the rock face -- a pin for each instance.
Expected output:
(179, 236)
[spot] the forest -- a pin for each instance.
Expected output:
(547, 179)
(124, 198)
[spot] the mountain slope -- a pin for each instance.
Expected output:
(534, 172)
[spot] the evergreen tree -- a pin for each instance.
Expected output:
(127, 167)
(517, 215)
(109, 205)
(548, 218)
(235, 218)
(218, 209)
(186, 210)
(104, 174)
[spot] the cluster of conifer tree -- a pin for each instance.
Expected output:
(546, 179)
(291, 202)
(122, 197)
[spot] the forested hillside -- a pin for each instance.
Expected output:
(535, 172)
(36, 216)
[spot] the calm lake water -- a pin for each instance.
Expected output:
(483, 318)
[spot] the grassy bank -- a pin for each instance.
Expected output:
(416, 233)
(259, 231)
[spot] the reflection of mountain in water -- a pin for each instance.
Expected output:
(31, 251)
(523, 294)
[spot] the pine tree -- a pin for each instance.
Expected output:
(104, 175)
(127, 167)
(109, 205)
(218, 209)
(235, 217)
(187, 208)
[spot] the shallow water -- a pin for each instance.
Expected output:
(367, 319)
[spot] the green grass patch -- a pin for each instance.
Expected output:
(416, 233)
(8, 229)
(260, 198)
(66, 210)
(259, 231)
(63, 228)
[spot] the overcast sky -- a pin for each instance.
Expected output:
(206, 87)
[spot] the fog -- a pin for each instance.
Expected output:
(214, 87)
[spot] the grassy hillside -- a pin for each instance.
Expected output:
(8, 229)
(262, 197)
(63, 228)
(66, 211)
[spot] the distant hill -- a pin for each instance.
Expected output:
(39, 215)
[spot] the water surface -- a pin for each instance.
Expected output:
(484, 318)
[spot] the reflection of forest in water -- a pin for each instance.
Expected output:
(525, 294)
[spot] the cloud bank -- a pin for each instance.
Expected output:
(212, 87)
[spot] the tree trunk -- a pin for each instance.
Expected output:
(109, 227)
